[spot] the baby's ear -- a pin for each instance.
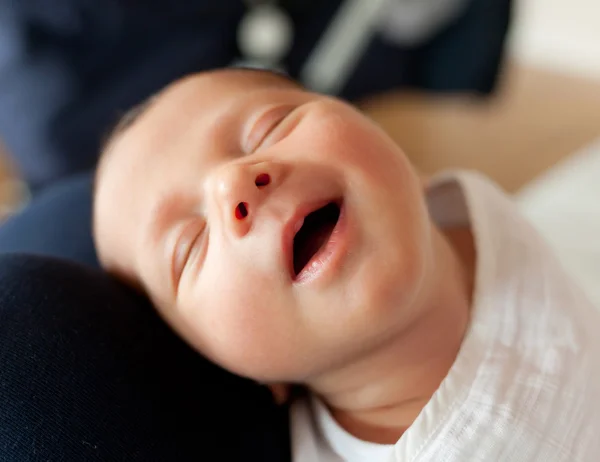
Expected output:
(280, 392)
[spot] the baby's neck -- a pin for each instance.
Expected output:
(377, 399)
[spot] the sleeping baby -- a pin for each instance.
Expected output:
(288, 239)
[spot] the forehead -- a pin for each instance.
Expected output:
(209, 90)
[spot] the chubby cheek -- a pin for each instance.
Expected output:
(345, 135)
(396, 257)
(390, 212)
(236, 318)
(391, 279)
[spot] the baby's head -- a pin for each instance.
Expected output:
(280, 232)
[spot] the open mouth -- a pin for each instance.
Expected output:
(314, 233)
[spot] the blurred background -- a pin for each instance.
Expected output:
(546, 105)
(507, 87)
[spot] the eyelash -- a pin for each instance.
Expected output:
(184, 250)
(281, 114)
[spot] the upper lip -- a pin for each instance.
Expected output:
(293, 225)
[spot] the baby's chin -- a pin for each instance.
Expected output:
(271, 365)
(263, 367)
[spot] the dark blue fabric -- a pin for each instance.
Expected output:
(69, 68)
(88, 372)
(56, 223)
(465, 56)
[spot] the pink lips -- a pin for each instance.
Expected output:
(326, 257)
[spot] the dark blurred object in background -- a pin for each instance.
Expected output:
(70, 68)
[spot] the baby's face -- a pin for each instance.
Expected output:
(280, 232)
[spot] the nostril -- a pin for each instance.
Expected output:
(241, 211)
(262, 180)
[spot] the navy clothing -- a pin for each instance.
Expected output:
(89, 372)
(57, 223)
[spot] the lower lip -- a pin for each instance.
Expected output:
(327, 259)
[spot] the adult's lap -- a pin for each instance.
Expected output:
(89, 372)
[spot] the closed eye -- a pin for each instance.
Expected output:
(186, 245)
(263, 129)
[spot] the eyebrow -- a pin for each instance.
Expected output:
(162, 213)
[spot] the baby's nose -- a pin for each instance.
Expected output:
(242, 209)
(240, 191)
